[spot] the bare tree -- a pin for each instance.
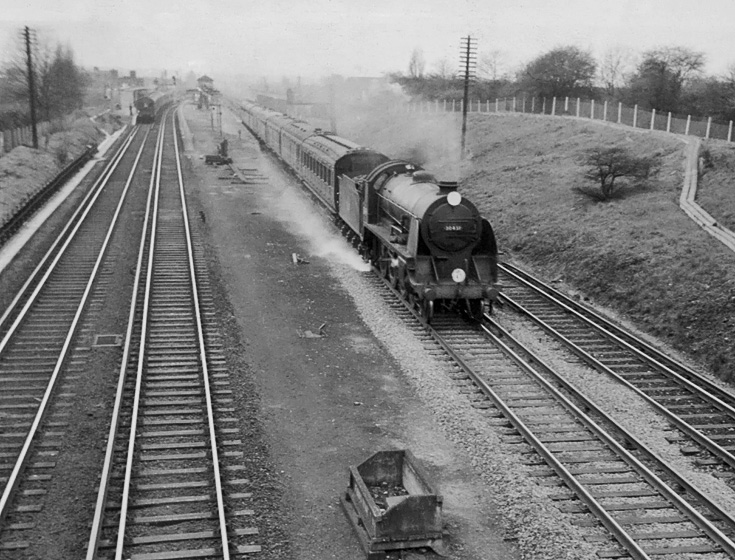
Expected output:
(662, 75)
(417, 64)
(490, 65)
(615, 68)
(58, 81)
(444, 69)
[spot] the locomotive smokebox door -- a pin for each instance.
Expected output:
(392, 506)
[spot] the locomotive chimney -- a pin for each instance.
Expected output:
(445, 187)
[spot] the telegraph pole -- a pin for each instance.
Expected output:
(468, 52)
(31, 86)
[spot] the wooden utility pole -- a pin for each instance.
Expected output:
(468, 52)
(31, 85)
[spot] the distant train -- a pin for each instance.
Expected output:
(148, 105)
(430, 242)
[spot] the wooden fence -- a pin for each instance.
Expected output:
(703, 127)
(22, 136)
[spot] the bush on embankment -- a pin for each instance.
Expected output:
(638, 254)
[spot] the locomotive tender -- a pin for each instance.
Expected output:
(431, 243)
(148, 105)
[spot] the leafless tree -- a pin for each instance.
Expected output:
(615, 68)
(682, 62)
(417, 64)
(491, 65)
(444, 69)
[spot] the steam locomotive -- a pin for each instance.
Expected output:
(430, 242)
(148, 105)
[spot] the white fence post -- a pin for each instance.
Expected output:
(620, 112)
(689, 120)
(487, 105)
(604, 110)
(514, 104)
(553, 105)
(579, 104)
(566, 104)
(635, 115)
(453, 102)
(709, 125)
(533, 104)
(668, 123)
(592, 109)
(653, 117)
(479, 107)
(729, 132)
(496, 104)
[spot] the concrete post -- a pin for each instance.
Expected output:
(653, 117)
(579, 104)
(668, 123)
(620, 112)
(553, 105)
(496, 104)
(689, 121)
(709, 126)
(566, 104)
(592, 109)
(729, 132)
(635, 115)
(604, 111)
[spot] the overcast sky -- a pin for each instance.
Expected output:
(359, 38)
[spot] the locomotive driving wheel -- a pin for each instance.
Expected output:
(426, 310)
(476, 309)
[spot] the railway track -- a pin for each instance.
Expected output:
(171, 482)
(43, 349)
(628, 502)
(702, 412)
(172, 486)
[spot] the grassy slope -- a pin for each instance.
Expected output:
(639, 255)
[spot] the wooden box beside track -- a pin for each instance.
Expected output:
(410, 520)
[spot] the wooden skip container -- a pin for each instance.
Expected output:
(392, 505)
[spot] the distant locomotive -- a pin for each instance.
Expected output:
(148, 105)
(431, 243)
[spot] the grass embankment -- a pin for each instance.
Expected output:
(24, 171)
(639, 254)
